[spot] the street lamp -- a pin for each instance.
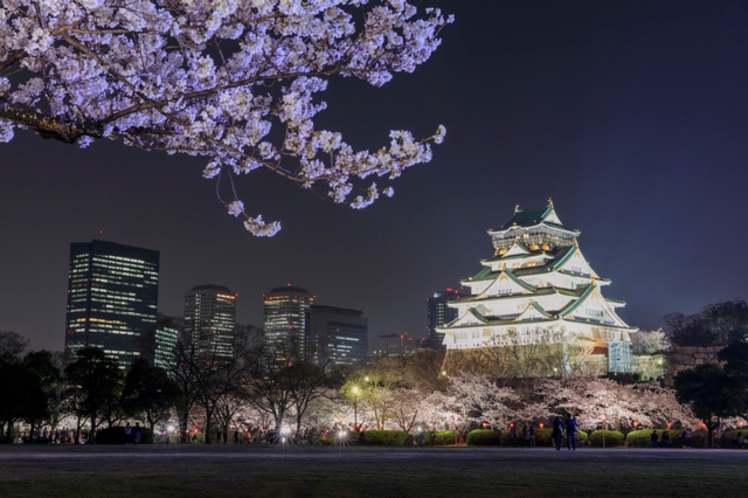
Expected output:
(354, 390)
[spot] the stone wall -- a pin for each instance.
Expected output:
(684, 357)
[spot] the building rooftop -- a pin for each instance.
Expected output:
(211, 286)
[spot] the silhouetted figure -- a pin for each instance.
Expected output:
(687, 437)
(557, 433)
(571, 432)
(665, 439)
(654, 439)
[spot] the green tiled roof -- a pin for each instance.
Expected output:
(575, 304)
(527, 217)
(563, 256)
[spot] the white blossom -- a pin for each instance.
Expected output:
(150, 74)
(236, 208)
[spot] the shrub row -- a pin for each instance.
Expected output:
(387, 438)
(483, 437)
(442, 438)
(612, 439)
(542, 438)
(642, 438)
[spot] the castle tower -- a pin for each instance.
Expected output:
(539, 286)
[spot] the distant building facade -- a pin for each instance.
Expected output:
(165, 343)
(210, 317)
(394, 345)
(337, 334)
(112, 299)
(438, 313)
(285, 315)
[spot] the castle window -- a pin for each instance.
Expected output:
(594, 313)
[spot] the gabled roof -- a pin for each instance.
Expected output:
(563, 256)
(471, 311)
(575, 304)
(528, 217)
(532, 217)
(527, 311)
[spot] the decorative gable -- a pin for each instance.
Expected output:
(470, 317)
(533, 312)
(506, 284)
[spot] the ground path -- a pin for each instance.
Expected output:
(279, 471)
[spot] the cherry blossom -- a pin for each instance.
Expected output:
(212, 78)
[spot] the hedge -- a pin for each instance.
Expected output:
(387, 438)
(483, 437)
(116, 435)
(543, 438)
(642, 438)
(441, 438)
(612, 439)
(728, 438)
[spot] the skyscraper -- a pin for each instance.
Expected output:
(112, 298)
(337, 334)
(439, 314)
(285, 318)
(210, 316)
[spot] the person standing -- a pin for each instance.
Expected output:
(687, 437)
(525, 436)
(532, 436)
(128, 433)
(137, 432)
(571, 432)
(666, 439)
(557, 433)
(653, 438)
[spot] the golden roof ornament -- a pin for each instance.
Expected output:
(516, 208)
(550, 201)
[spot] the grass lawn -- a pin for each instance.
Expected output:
(275, 471)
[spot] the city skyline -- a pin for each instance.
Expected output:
(631, 116)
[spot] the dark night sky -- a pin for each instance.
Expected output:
(633, 116)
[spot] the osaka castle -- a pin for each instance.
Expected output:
(538, 285)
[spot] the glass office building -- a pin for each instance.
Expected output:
(112, 299)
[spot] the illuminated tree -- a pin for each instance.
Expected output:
(212, 78)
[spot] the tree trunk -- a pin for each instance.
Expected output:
(182, 427)
(92, 434)
(207, 428)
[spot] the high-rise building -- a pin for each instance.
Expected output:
(537, 287)
(210, 317)
(285, 318)
(165, 343)
(337, 334)
(112, 299)
(440, 314)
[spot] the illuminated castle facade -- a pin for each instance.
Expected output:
(539, 280)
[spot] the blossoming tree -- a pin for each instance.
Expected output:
(212, 78)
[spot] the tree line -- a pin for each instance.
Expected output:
(254, 384)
